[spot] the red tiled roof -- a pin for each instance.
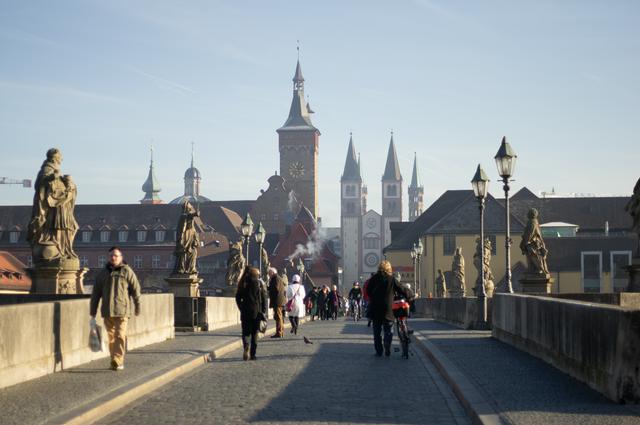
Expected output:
(13, 276)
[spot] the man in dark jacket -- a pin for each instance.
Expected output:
(381, 290)
(277, 299)
(251, 299)
(116, 285)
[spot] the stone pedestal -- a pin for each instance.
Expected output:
(63, 277)
(536, 283)
(634, 275)
(184, 285)
(455, 293)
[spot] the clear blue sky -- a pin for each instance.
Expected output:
(103, 79)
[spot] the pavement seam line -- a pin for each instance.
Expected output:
(119, 398)
(479, 410)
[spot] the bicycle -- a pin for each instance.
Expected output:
(356, 313)
(401, 312)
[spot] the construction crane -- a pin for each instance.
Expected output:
(7, 180)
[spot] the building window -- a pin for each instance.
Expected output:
(137, 262)
(84, 261)
(102, 260)
(492, 238)
(155, 261)
(263, 217)
(619, 276)
(123, 235)
(159, 235)
(392, 190)
(448, 244)
(351, 208)
(276, 217)
(104, 236)
(371, 243)
(14, 236)
(86, 236)
(350, 190)
(591, 271)
(29, 261)
(142, 235)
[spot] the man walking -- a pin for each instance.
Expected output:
(277, 299)
(381, 290)
(115, 285)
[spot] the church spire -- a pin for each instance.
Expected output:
(299, 114)
(351, 164)
(151, 187)
(416, 192)
(415, 175)
(392, 169)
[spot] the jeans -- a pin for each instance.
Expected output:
(378, 327)
(295, 322)
(250, 335)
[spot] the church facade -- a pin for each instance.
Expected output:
(364, 233)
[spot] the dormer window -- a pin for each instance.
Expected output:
(160, 235)
(141, 235)
(104, 235)
(14, 235)
(123, 235)
(86, 236)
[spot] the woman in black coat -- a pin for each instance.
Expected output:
(251, 298)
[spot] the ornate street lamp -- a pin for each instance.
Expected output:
(419, 252)
(300, 268)
(506, 161)
(480, 184)
(259, 235)
(415, 270)
(246, 228)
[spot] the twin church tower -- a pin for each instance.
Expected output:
(364, 233)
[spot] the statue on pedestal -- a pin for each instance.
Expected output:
(483, 256)
(533, 247)
(457, 287)
(52, 229)
(187, 242)
(633, 208)
(441, 285)
(235, 263)
(184, 281)
(264, 258)
(537, 278)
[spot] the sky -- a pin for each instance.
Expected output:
(103, 81)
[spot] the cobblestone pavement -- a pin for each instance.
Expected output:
(337, 379)
(38, 400)
(523, 388)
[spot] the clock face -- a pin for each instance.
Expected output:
(371, 259)
(296, 169)
(371, 222)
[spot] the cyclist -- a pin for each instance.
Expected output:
(382, 289)
(355, 300)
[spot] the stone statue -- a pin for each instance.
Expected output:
(633, 208)
(264, 257)
(53, 226)
(533, 247)
(235, 263)
(457, 287)
(441, 285)
(483, 256)
(187, 241)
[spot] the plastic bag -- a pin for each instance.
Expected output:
(95, 336)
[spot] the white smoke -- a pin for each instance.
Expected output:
(313, 247)
(292, 203)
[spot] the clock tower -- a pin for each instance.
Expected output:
(298, 143)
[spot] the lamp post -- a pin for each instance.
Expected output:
(506, 161)
(419, 252)
(259, 235)
(300, 268)
(246, 227)
(415, 270)
(480, 183)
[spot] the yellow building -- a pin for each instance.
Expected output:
(590, 259)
